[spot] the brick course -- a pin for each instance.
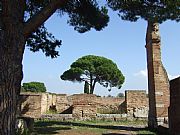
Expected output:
(158, 83)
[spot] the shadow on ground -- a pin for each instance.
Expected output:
(54, 127)
(50, 130)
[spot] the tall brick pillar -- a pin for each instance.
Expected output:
(174, 109)
(158, 82)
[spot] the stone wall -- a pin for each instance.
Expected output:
(136, 103)
(36, 104)
(31, 105)
(44, 103)
(84, 106)
(110, 105)
(63, 103)
(174, 109)
(80, 105)
(84, 111)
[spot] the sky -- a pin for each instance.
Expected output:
(121, 41)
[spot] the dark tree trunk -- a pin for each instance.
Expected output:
(13, 34)
(92, 84)
(11, 53)
(86, 87)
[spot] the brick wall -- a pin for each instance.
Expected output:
(136, 103)
(110, 105)
(31, 105)
(174, 109)
(63, 103)
(79, 104)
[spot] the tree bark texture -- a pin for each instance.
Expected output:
(11, 53)
(13, 34)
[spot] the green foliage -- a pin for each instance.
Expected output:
(120, 95)
(86, 87)
(83, 15)
(86, 14)
(42, 39)
(150, 10)
(109, 95)
(34, 87)
(95, 69)
(145, 132)
(96, 127)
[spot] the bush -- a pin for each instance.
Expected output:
(33, 87)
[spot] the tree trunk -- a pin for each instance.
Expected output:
(86, 87)
(11, 53)
(92, 84)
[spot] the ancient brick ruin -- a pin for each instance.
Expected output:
(136, 103)
(174, 109)
(158, 83)
(85, 106)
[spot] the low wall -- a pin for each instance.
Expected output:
(31, 104)
(60, 117)
(63, 103)
(136, 103)
(84, 105)
(110, 105)
(111, 117)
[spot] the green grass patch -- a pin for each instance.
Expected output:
(110, 122)
(84, 127)
(145, 132)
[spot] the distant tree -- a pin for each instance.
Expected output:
(120, 95)
(34, 87)
(86, 87)
(95, 69)
(109, 95)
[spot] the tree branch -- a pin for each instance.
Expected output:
(85, 79)
(32, 24)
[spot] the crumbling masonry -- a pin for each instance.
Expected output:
(85, 106)
(158, 83)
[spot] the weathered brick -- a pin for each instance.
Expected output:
(158, 83)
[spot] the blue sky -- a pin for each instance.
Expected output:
(122, 41)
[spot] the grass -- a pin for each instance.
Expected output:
(145, 132)
(90, 128)
(110, 122)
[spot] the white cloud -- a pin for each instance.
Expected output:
(172, 76)
(141, 73)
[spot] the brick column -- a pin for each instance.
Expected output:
(158, 83)
(174, 109)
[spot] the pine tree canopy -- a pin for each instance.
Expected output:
(150, 10)
(93, 69)
(83, 15)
